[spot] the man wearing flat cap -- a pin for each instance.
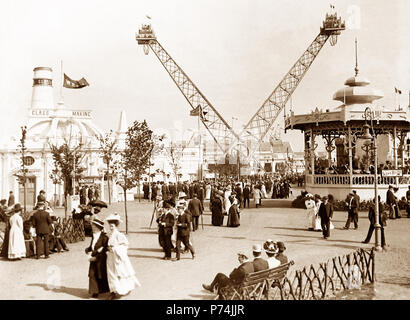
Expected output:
(236, 276)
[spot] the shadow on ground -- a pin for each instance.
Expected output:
(75, 292)
(147, 249)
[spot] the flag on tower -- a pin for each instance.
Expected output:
(195, 112)
(74, 84)
(397, 90)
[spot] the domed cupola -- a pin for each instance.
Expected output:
(357, 91)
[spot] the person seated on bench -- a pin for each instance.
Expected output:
(271, 250)
(236, 276)
(259, 263)
(280, 256)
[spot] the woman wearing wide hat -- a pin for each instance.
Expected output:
(120, 273)
(17, 246)
(97, 252)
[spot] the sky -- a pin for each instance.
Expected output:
(235, 51)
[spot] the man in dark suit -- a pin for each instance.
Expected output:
(408, 202)
(259, 263)
(145, 189)
(83, 195)
(326, 214)
(191, 191)
(390, 201)
(10, 202)
(201, 194)
(165, 191)
(41, 222)
(372, 219)
(167, 222)
(41, 196)
(196, 209)
(90, 193)
(246, 195)
(183, 228)
(236, 276)
(238, 191)
(172, 190)
(353, 203)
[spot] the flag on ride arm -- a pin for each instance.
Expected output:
(195, 112)
(397, 90)
(74, 84)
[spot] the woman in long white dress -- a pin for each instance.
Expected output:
(310, 212)
(317, 225)
(263, 191)
(17, 245)
(120, 273)
(208, 192)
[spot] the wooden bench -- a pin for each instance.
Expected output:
(256, 285)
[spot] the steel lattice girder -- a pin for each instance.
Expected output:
(263, 120)
(219, 129)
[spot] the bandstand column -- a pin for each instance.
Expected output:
(349, 139)
(394, 147)
(395, 152)
(312, 152)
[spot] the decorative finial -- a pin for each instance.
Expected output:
(357, 68)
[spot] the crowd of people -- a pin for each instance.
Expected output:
(274, 187)
(37, 235)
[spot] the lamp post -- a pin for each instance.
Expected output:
(371, 139)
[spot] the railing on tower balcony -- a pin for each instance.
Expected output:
(357, 179)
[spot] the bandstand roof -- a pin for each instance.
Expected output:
(344, 117)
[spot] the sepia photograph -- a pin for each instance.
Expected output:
(186, 151)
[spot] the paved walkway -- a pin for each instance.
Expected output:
(216, 252)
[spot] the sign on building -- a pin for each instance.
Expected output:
(392, 173)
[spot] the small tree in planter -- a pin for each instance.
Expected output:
(55, 176)
(135, 159)
(67, 160)
(108, 149)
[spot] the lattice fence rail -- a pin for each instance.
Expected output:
(323, 281)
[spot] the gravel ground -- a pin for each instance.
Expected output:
(64, 275)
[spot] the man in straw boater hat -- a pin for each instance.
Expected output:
(236, 276)
(259, 263)
(97, 252)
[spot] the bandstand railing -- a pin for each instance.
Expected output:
(357, 179)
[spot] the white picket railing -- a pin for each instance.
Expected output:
(357, 179)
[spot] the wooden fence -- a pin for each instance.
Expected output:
(340, 273)
(71, 230)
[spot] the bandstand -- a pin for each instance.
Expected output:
(349, 164)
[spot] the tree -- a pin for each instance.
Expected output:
(108, 149)
(67, 160)
(55, 176)
(135, 159)
(175, 154)
(22, 173)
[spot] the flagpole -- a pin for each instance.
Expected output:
(62, 81)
